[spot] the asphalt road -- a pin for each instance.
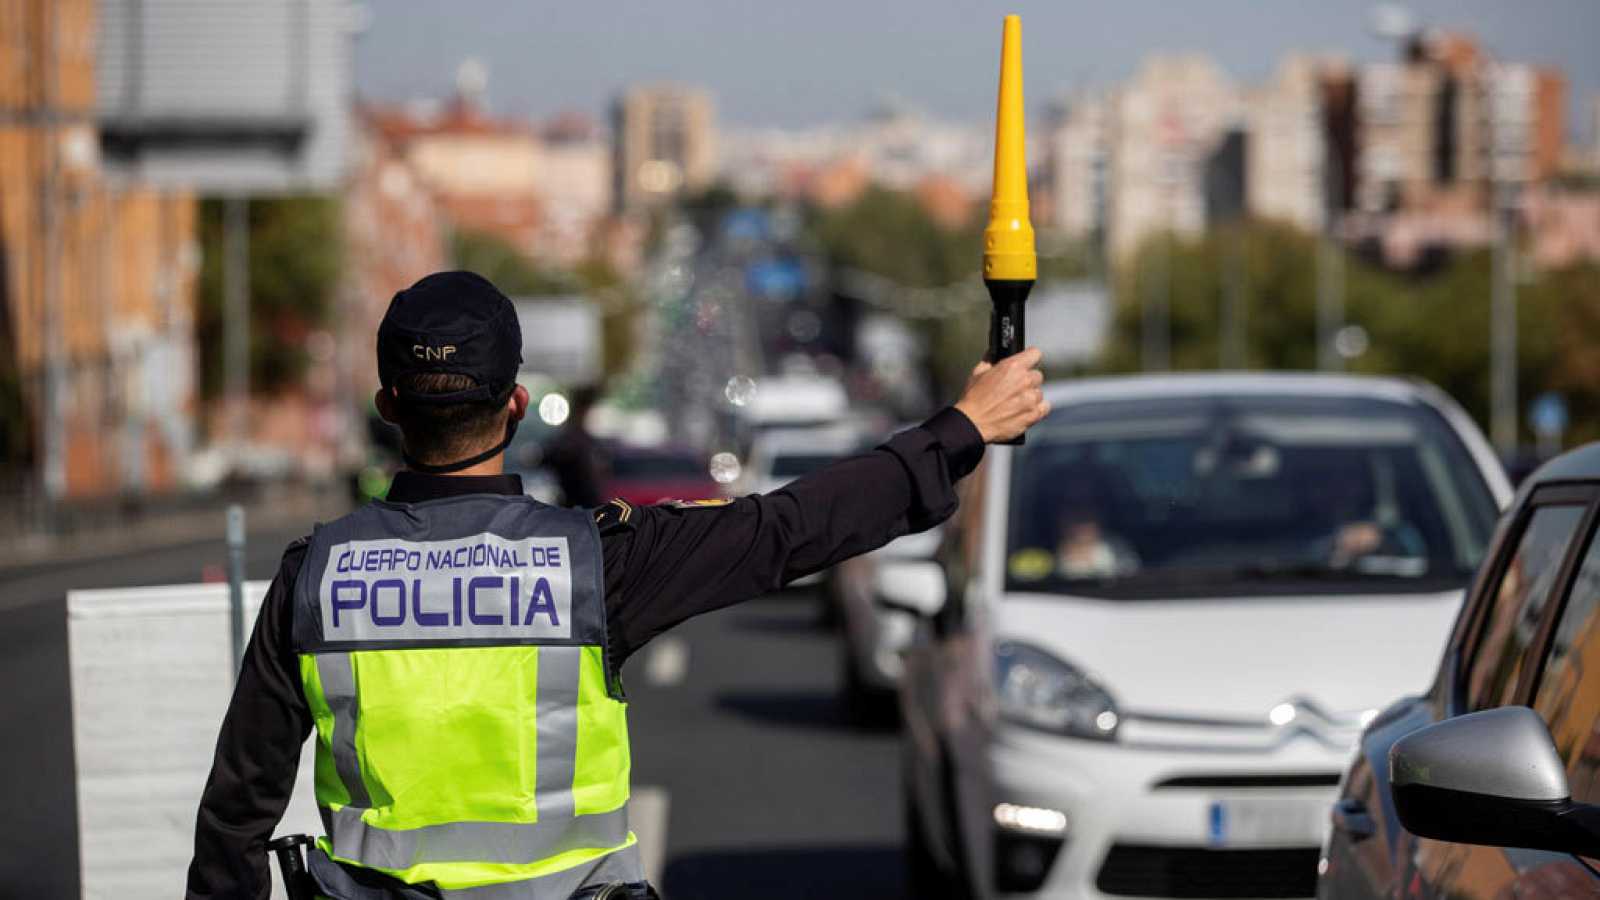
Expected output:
(38, 832)
(768, 790)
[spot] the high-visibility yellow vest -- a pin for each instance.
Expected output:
(469, 735)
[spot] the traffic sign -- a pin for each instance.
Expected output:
(1547, 415)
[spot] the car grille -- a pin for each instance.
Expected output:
(1133, 870)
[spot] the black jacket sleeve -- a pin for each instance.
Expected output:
(668, 562)
(258, 751)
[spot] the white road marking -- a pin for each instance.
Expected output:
(667, 662)
(647, 814)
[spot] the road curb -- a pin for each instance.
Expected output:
(272, 512)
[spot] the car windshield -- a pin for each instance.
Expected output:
(793, 465)
(1249, 494)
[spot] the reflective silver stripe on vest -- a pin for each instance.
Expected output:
(623, 866)
(489, 842)
(556, 716)
(557, 831)
(339, 689)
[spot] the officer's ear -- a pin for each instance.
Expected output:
(384, 400)
(517, 403)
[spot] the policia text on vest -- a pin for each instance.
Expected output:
(481, 587)
(500, 661)
(457, 647)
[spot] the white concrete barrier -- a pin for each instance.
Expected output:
(151, 678)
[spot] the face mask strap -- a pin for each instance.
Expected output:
(446, 468)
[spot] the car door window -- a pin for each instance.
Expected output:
(1518, 605)
(1569, 689)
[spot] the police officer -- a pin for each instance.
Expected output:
(457, 647)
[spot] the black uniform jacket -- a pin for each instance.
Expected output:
(663, 564)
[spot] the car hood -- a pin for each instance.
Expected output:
(1241, 656)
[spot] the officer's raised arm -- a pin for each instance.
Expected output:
(669, 562)
(390, 630)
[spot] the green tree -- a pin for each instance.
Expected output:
(888, 233)
(1434, 326)
(507, 267)
(295, 259)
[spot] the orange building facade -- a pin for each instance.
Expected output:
(97, 282)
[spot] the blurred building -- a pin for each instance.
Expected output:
(1288, 156)
(1594, 134)
(1168, 121)
(663, 145)
(1077, 165)
(97, 292)
(543, 190)
(483, 171)
(394, 232)
(1441, 132)
(831, 165)
(1563, 225)
(902, 148)
(945, 200)
(574, 178)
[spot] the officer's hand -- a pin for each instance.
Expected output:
(1003, 399)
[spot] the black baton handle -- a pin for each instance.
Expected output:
(1007, 324)
(297, 881)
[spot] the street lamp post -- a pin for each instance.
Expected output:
(1330, 272)
(1508, 160)
(1503, 323)
(1156, 327)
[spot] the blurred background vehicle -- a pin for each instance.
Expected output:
(875, 635)
(1527, 637)
(796, 401)
(645, 475)
(1134, 676)
(780, 455)
(525, 458)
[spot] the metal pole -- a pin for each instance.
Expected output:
(236, 581)
(1330, 304)
(55, 350)
(236, 317)
(1156, 327)
(1233, 305)
(1503, 328)
(1330, 267)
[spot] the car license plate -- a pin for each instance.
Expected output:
(1265, 821)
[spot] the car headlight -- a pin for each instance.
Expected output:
(1040, 691)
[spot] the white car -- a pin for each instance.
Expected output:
(874, 634)
(780, 455)
(1161, 623)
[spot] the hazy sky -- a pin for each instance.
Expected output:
(799, 62)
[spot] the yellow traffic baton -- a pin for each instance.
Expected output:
(1010, 264)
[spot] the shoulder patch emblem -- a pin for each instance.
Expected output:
(706, 503)
(612, 514)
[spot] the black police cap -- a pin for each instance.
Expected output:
(450, 322)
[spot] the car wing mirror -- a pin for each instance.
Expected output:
(1491, 777)
(914, 586)
(919, 545)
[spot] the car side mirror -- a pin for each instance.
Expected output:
(920, 545)
(1491, 777)
(912, 585)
